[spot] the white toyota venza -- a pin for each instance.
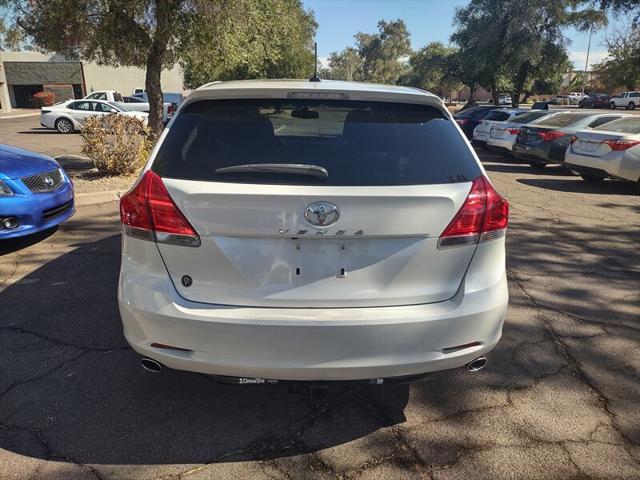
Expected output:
(316, 231)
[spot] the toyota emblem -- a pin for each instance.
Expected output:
(48, 181)
(322, 214)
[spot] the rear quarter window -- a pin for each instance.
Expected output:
(358, 143)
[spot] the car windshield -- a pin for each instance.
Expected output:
(528, 117)
(563, 119)
(118, 106)
(356, 143)
(467, 112)
(498, 115)
(622, 125)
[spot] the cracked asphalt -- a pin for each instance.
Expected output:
(560, 397)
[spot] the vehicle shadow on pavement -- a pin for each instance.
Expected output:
(525, 168)
(72, 389)
(16, 244)
(577, 185)
(40, 131)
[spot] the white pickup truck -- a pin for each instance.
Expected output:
(131, 103)
(628, 100)
(575, 97)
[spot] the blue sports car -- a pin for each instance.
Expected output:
(35, 193)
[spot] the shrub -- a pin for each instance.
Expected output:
(43, 99)
(116, 144)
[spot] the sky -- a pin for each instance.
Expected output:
(427, 21)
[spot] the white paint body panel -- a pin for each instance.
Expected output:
(388, 249)
(310, 344)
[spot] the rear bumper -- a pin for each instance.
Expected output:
(531, 153)
(500, 144)
(311, 344)
(480, 138)
(615, 164)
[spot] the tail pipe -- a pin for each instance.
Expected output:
(477, 364)
(151, 365)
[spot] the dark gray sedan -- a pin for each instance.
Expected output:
(545, 142)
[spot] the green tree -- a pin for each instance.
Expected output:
(213, 40)
(622, 66)
(384, 54)
(515, 40)
(433, 68)
(11, 36)
(266, 39)
(346, 65)
(142, 33)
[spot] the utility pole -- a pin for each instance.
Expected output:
(586, 63)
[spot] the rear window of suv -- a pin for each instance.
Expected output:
(358, 143)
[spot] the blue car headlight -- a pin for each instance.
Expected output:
(5, 191)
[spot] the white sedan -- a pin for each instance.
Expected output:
(610, 150)
(69, 116)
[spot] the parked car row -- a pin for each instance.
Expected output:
(545, 140)
(595, 146)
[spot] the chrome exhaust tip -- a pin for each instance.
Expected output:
(477, 364)
(151, 365)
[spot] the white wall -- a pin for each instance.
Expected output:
(125, 79)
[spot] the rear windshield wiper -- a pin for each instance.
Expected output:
(295, 168)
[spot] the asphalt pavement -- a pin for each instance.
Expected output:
(559, 397)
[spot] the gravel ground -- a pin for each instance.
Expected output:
(92, 182)
(558, 399)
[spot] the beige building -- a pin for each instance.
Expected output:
(22, 74)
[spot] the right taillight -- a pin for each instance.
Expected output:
(462, 121)
(484, 215)
(513, 131)
(148, 212)
(619, 145)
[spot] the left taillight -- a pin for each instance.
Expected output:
(551, 135)
(148, 212)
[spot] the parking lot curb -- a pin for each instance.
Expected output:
(70, 157)
(84, 199)
(19, 115)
